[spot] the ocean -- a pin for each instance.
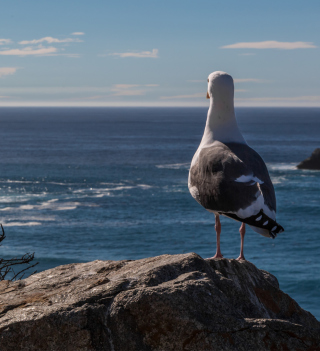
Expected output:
(81, 184)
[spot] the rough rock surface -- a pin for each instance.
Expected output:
(312, 162)
(164, 303)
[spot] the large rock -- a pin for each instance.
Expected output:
(312, 162)
(179, 302)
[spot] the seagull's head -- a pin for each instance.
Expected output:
(220, 86)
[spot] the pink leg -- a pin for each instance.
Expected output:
(242, 231)
(218, 231)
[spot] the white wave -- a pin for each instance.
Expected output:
(19, 181)
(95, 190)
(282, 166)
(175, 166)
(278, 180)
(105, 183)
(21, 224)
(50, 205)
(145, 186)
(57, 183)
(32, 218)
(20, 198)
(117, 188)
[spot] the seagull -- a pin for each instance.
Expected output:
(227, 177)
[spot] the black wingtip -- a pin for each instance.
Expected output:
(278, 230)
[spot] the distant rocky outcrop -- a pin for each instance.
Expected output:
(164, 303)
(312, 162)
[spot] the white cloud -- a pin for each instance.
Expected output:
(271, 44)
(130, 89)
(124, 86)
(246, 80)
(142, 54)
(29, 51)
(192, 96)
(129, 92)
(6, 71)
(5, 41)
(293, 98)
(77, 33)
(49, 40)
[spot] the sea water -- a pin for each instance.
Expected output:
(81, 184)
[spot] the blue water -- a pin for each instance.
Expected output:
(111, 183)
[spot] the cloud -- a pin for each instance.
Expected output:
(246, 80)
(129, 92)
(271, 45)
(6, 71)
(129, 89)
(192, 96)
(294, 98)
(142, 54)
(77, 33)
(126, 90)
(29, 51)
(49, 40)
(125, 86)
(5, 41)
(235, 80)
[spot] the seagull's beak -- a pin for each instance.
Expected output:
(208, 96)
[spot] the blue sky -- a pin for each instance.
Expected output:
(158, 53)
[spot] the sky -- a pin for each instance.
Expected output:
(158, 53)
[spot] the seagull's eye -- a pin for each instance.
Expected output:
(208, 80)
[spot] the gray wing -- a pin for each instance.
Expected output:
(229, 177)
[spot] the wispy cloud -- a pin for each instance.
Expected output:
(125, 86)
(77, 33)
(192, 96)
(142, 54)
(49, 40)
(246, 80)
(29, 51)
(130, 89)
(73, 89)
(35, 47)
(5, 41)
(127, 90)
(271, 44)
(6, 71)
(293, 98)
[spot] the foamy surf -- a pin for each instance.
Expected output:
(175, 166)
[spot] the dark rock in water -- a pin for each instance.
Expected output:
(164, 303)
(312, 162)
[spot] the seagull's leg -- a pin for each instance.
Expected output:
(218, 231)
(242, 231)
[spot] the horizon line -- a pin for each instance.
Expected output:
(252, 104)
